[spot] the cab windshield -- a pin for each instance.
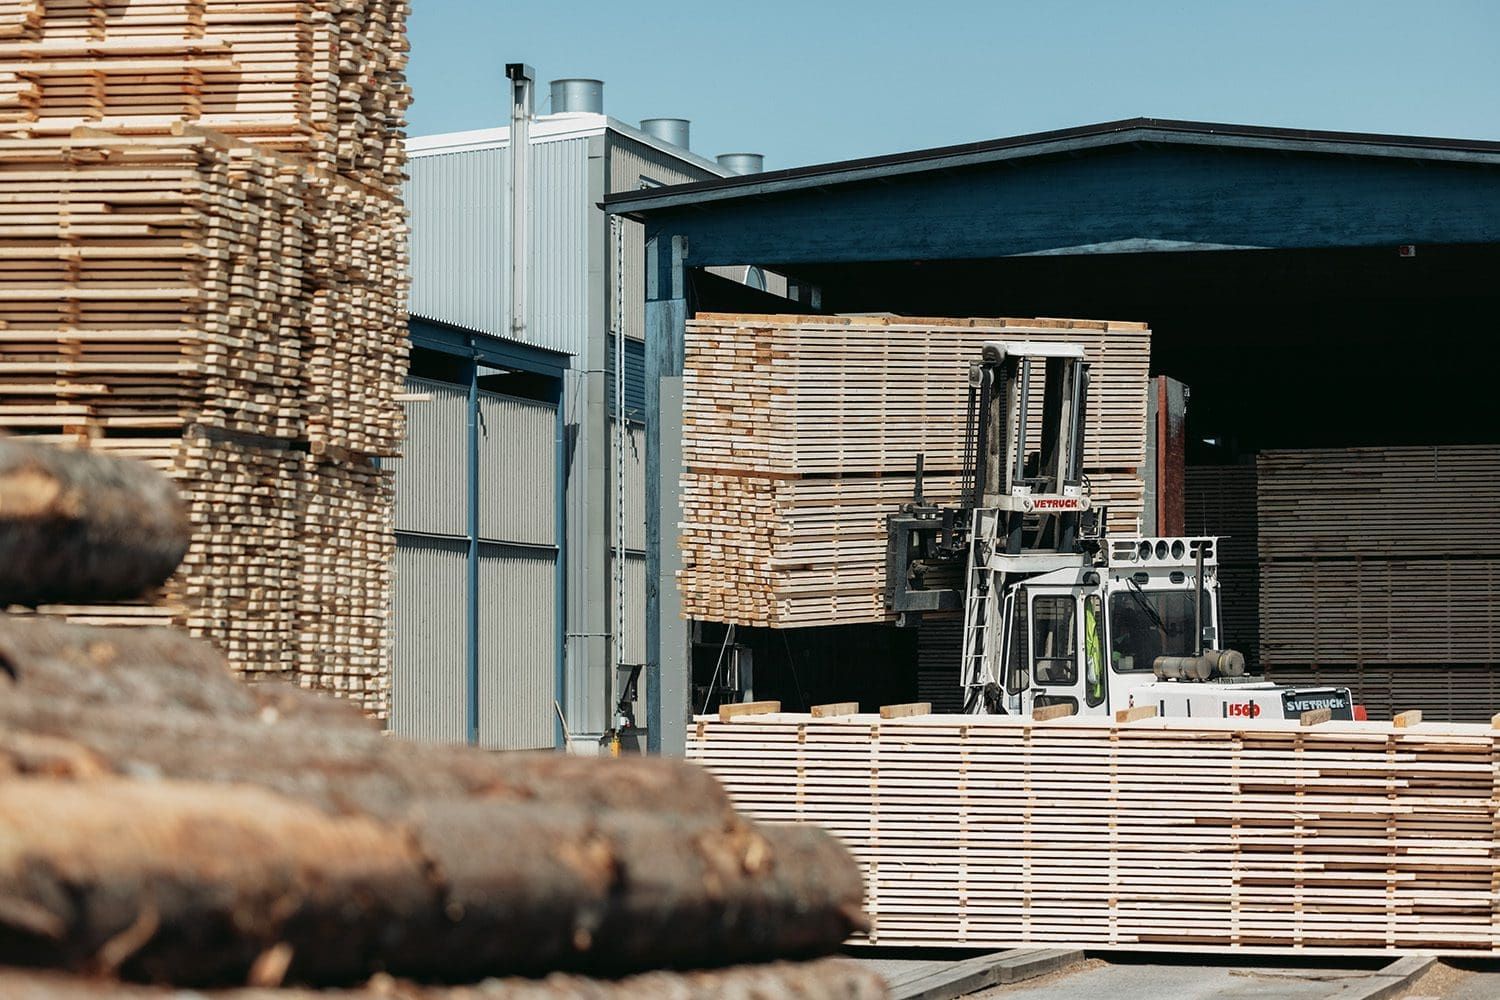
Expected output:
(1145, 624)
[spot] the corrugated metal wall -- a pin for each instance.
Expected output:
(517, 643)
(459, 262)
(517, 613)
(431, 478)
(517, 492)
(634, 644)
(633, 165)
(635, 379)
(427, 689)
(459, 241)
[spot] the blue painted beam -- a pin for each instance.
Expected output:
(560, 571)
(1145, 197)
(471, 638)
(495, 351)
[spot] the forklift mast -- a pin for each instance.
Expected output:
(1020, 501)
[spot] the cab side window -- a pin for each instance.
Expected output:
(1054, 632)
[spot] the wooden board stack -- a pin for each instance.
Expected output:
(1220, 500)
(800, 434)
(1181, 835)
(1379, 562)
(230, 307)
(320, 79)
(345, 549)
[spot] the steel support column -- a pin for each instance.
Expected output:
(668, 664)
(471, 619)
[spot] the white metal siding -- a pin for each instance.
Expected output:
(517, 470)
(459, 257)
(428, 679)
(518, 643)
(431, 479)
(460, 232)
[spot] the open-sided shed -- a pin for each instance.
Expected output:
(1312, 288)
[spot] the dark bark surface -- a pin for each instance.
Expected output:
(78, 527)
(204, 821)
(825, 979)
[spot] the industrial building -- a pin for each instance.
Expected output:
(521, 476)
(1311, 289)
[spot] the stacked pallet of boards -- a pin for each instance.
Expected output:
(801, 434)
(1380, 569)
(1220, 500)
(1157, 834)
(203, 266)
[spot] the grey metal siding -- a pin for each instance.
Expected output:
(517, 470)
(427, 700)
(635, 486)
(635, 379)
(431, 478)
(635, 608)
(629, 162)
(460, 233)
(517, 642)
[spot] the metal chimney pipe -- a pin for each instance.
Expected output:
(742, 163)
(672, 130)
(577, 95)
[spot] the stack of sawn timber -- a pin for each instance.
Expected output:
(1380, 569)
(231, 311)
(1220, 500)
(1171, 834)
(322, 80)
(161, 820)
(801, 434)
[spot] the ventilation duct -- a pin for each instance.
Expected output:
(576, 95)
(742, 163)
(672, 130)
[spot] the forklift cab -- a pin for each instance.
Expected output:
(1087, 637)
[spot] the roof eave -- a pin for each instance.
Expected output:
(1125, 132)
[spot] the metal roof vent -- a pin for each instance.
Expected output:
(742, 163)
(577, 95)
(672, 130)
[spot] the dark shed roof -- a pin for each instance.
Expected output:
(1157, 131)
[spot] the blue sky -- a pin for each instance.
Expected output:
(814, 81)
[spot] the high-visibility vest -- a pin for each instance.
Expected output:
(1093, 652)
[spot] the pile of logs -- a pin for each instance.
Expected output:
(801, 433)
(203, 266)
(1201, 834)
(162, 821)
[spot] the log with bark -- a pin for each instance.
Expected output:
(155, 701)
(825, 979)
(476, 864)
(78, 526)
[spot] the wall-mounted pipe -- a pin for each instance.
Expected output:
(521, 77)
